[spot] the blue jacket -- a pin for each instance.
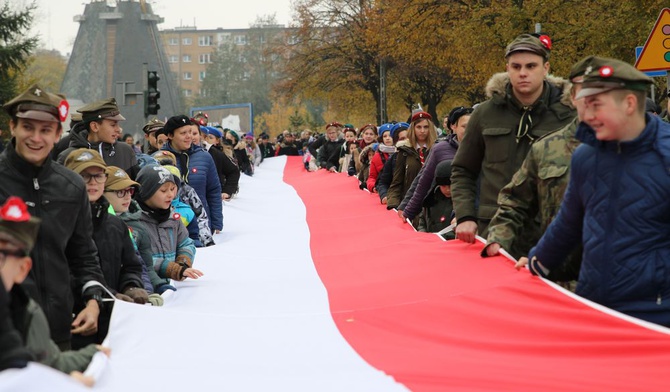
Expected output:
(618, 205)
(198, 170)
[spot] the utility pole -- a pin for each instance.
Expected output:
(382, 92)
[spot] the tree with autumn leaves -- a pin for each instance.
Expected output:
(440, 53)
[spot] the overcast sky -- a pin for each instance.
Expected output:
(57, 30)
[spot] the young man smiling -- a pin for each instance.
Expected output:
(616, 203)
(64, 256)
(524, 104)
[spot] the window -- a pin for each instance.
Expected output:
(188, 93)
(186, 41)
(173, 41)
(205, 40)
(173, 59)
(188, 76)
(186, 58)
(240, 40)
(202, 76)
(205, 58)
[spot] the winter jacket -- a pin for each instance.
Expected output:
(227, 169)
(537, 190)
(490, 148)
(328, 154)
(132, 218)
(267, 150)
(376, 167)
(242, 158)
(13, 353)
(117, 154)
(437, 211)
(119, 263)
(255, 153)
(386, 177)
(64, 254)
(187, 217)
(171, 247)
(189, 196)
(617, 205)
(422, 185)
(287, 149)
(31, 323)
(407, 166)
(198, 170)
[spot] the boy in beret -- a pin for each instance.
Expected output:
(538, 187)
(99, 131)
(524, 104)
(64, 254)
(18, 234)
(617, 201)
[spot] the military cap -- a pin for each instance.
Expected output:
(577, 71)
(17, 226)
(118, 179)
(75, 117)
(529, 43)
(99, 110)
(153, 125)
(37, 104)
(83, 158)
(606, 74)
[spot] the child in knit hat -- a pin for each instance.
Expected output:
(437, 206)
(172, 249)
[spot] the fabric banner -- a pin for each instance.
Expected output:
(314, 286)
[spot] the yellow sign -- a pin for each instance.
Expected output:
(655, 55)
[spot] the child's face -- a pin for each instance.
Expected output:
(605, 115)
(387, 139)
(369, 136)
(350, 136)
(120, 204)
(94, 186)
(446, 190)
(331, 133)
(213, 140)
(162, 198)
(14, 268)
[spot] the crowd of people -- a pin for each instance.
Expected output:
(569, 176)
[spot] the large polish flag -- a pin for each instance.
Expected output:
(314, 286)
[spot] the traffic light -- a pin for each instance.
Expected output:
(151, 101)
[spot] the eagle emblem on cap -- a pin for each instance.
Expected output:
(85, 156)
(588, 70)
(38, 92)
(120, 173)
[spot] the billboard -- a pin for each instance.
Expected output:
(239, 117)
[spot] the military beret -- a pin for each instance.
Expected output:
(175, 122)
(37, 104)
(215, 132)
(334, 124)
(606, 74)
(83, 158)
(388, 127)
(529, 43)
(99, 110)
(420, 116)
(17, 226)
(118, 179)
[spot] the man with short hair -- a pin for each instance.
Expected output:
(538, 187)
(64, 257)
(287, 146)
(524, 105)
(617, 202)
(100, 131)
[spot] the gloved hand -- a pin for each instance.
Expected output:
(164, 287)
(155, 299)
(123, 297)
(138, 295)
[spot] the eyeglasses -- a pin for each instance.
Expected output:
(99, 178)
(123, 192)
(15, 253)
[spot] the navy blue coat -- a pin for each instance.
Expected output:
(198, 170)
(618, 205)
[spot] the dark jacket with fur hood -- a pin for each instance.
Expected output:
(490, 148)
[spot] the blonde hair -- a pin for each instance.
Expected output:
(432, 134)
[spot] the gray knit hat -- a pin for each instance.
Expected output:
(151, 178)
(443, 173)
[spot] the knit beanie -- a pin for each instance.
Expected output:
(443, 173)
(151, 178)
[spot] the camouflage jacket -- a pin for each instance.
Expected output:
(535, 192)
(490, 150)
